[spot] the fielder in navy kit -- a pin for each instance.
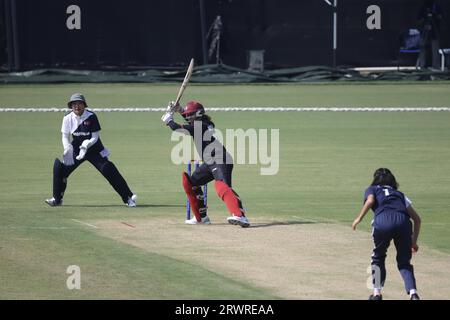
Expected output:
(392, 221)
(217, 165)
(83, 126)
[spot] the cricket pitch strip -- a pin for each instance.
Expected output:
(291, 259)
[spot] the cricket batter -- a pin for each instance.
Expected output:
(217, 164)
(83, 126)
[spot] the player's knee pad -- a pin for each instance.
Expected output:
(222, 188)
(192, 196)
(187, 185)
(230, 198)
(226, 193)
(189, 188)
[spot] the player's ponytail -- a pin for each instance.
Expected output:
(384, 177)
(205, 117)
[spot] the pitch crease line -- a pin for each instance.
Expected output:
(85, 223)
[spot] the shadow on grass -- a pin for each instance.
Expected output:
(269, 224)
(124, 206)
(280, 223)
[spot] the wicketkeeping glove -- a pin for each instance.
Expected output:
(68, 156)
(82, 153)
(83, 150)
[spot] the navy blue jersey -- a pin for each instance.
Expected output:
(81, 128)
(208, 142)
(387, 199)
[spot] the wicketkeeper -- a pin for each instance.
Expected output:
(83, 126)
(217, 164)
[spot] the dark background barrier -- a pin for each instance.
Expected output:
(154, 33)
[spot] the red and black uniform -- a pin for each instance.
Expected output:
(217, 162)
(217, 165)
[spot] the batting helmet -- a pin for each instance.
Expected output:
(193, 110)
(76, 97)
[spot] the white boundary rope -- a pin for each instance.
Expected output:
(239, 109)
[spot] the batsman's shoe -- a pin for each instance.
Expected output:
(132, 201)
(52, 202)
(414, 296)
(241, 221)
(377, 297)
(205, 220)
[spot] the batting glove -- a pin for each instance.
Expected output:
(167, 117)
(172, 107)
(68, 156)
(177, 108)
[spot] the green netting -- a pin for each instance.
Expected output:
(217, 74)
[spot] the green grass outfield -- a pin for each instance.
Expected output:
(419, 94)
(326, 161)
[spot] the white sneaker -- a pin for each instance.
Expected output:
(132, 201)
(205, 220)
(52, 202)
(242, 221)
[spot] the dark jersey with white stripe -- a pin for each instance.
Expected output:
(387, 199)
(81, 128)
(211, 150)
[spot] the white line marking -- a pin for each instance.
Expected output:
(30, 227)
(85, 223)
(318, 220)
(304, 219)
(256, 109)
